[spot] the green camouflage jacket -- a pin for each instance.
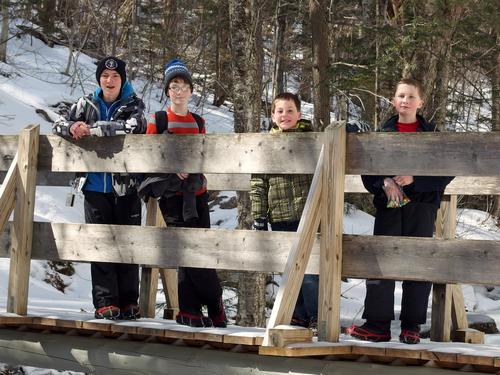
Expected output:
(280, 197)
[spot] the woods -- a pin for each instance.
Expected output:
(342, 56)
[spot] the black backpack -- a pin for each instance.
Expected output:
(161, 119)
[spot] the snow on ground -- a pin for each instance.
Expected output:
(32, 80)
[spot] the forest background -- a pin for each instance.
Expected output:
(345, 57)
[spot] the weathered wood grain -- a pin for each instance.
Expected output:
(332, 216)
(378, 257)
(458, 154)
(22, 233)
(7, 194)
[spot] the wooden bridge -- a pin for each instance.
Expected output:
(335, 159)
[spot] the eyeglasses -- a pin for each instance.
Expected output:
(179, 88)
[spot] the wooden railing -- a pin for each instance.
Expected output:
(229, 159)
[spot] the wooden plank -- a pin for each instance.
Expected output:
(169, 279)
(442, 293)
(458, 312)
(332, 214)
(297, 260)
(149, 275)
(7, 194)
(458, 154)
(469, 335)
(441, 313)
(307, 349)
(22, 233)
(249, 153)
(284, 335)
(378, 257)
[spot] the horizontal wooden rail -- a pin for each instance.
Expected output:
(439, 261)
(458, 154)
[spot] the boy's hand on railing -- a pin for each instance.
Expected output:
(259, 224)
(79, 130)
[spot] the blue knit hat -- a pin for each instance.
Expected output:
(176, 68)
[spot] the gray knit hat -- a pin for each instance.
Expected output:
(176, 68)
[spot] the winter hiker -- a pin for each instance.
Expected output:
(279, 200)
(184, 201)
(406, 206)
(109, 198)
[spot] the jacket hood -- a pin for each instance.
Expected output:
(302, 126)
(126, 91)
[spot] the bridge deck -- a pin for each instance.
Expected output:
(485, 358)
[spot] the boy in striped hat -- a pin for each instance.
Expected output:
(197, 286)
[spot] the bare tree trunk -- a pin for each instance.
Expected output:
(131, 42)
(246, 49)
(280, 47)
(318, 14)
(222, 82)
(4, 36)
(495, 109)
(170, 30)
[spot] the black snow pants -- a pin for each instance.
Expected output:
(197, 286)
(113, 283)
(415, 220)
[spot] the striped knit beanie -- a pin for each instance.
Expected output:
(176, 68)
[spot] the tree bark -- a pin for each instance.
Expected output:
(318, 13)
(4, 36)
(246, 50)
(280, 47)
(222, 82)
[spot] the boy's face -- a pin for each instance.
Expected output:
(179, 91)
(285, 114)
(111, 84)
(407, 100)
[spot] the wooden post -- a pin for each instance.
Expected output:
(448, 310)
(8, 194)
(332, 214)
(300, 252)
(149, 276)
(22, 230)
(169, 281)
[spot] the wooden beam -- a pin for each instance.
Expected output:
(22, 233)
(442, 293)
(298, 257)
(149, 275)
(458, 154)
(284, 335)
(7, 194)
(332, 214)
(376, 257)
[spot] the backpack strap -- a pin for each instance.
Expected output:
(161, 120)
(199, 121)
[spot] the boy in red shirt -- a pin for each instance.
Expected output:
(197, 286)
(406, 206)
